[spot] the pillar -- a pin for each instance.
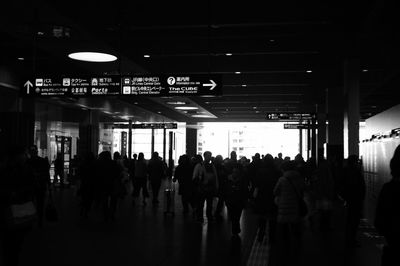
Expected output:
(352, 106)
(334, 112)
(89, 133)
(130, 140)
(191, 141)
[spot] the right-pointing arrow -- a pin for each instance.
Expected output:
(28, 84)
(212, 84)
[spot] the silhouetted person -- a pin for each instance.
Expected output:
(88, 183)
(222, 179)
(140, 179)
(353, 193)
(41, 171)
(252, 171)
(107, 172)
(156, 171)
(120, 182)
(235, 197)
(183, 173)
(231, 162)
(17, 186)
(279, 160)
(59, 170)
(387, 217)
(288, 190)
(324, 193)
(206, 176)
(267, 177)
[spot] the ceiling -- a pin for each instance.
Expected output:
(284, 56)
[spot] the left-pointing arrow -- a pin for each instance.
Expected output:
(212, 84)
(28, 84)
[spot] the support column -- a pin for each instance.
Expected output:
(130, 140)
(352, 106)
(308, 140)
(89, 134)
(152, 141)
(170, 154)
(335, 125)
(301, 141)
(321, 126)
(313, 139)
(191, 141)
(164, 144)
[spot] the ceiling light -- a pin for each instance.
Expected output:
(135, 103)
(146, 55)
(21, 58)
(203, 116)
(365, 70)
(186, 108)
(159, 112)
(40, 33)
(244, 85)
(228, 54)
(254, 107)
(272, 40)
(237, 72)
(309, 71)
(176, 103)
(92, 57)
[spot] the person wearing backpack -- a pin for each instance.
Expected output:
(206, 180)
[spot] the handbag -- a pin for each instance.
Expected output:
(51, 213)
(303, 209)
(23, 213)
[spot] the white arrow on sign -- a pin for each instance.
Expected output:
(28, 84)
(212, 84)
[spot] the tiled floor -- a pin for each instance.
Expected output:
(144, 236)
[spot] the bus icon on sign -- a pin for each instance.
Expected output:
(39, 82)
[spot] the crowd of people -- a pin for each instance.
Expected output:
(283, 193)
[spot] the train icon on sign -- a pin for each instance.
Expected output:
(66, 81)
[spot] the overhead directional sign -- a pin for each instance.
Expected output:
(290, 116)
(148, 126)
(80, 87)
(172, 85)
(297, 126)
(138, 85)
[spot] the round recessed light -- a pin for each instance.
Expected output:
(186, 108)
(238, 72)
(203, 116)
(228, 54)
(309, 71)
(176, 103)
(92, 57)
(146, 55)
(159, 112)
